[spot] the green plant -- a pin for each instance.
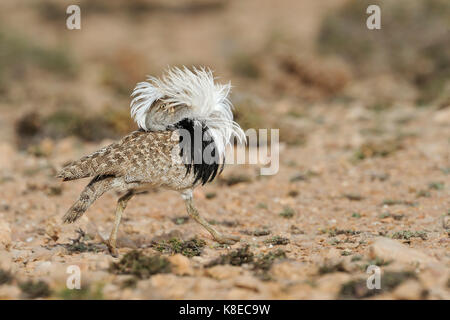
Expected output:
(189, 248)
(35, 289)
(407, 235)
(236, 257)
(277, 241)
(140, 265)
(287, 212)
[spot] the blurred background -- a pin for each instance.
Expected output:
(283, 59)
(364, 119)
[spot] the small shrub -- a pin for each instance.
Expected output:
(257, 232)
(436, 185)
(287, 213)
(180, 220)
(189, 248)
(35, 289)
(5, 277)
(264, 262)
(393, 202)
(277, 241)
(235, 179)
(235, 258)
(374, 149)
(423, 193)
(210, 195)
(356, 215)
(407, 235)
(140, 265)
(331, 268)
(82, 294)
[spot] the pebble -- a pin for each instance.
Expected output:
(223, 272)
(9, 292)
(181, 265)
(247, 282)
(290, 270)
(389, 249)
(446, 222)
(40, 253)
(408, 290)
(443, 116)
(5, 260)
(43, 268)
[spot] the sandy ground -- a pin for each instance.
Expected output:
(344, 216)
(362, 187)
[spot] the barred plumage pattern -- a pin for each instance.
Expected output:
(145, 157)
(135, 162)
(95, 188)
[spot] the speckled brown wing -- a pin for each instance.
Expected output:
(135, 154)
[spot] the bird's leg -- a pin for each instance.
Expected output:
(121, 205)
(193, 212)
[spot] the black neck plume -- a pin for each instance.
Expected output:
(192, 151)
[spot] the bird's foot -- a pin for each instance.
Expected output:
(111, 247)
(113, 251)
(226, 239)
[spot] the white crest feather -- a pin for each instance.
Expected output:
(186, 94)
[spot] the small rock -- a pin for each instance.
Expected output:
(9, 292)
(408, 290)
(98, 276)
(102, 262)
(58, 251)
(434, 276)
(388, 249)
(43, 268)
(248, 282)
(446, 222)
(5, 260)
(333, 254)
(222, 272)
(290, 270)
(301, 291)
(169, 285)
(7, 160)
(20, 255)
(40, 253)
(238, 294)
(443, 116)
(111, 291)
(331, 283)
(181, 265)
(4, 206)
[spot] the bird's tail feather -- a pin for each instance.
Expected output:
(97, 187)
(89, 165)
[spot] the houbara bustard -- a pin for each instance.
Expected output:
(171, 113)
